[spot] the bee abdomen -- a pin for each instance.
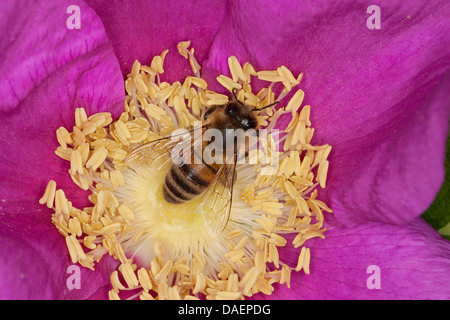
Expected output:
(184, 183)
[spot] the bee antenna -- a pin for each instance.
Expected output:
(233, 91)
(268, 106)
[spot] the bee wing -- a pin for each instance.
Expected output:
(148, 153)
(160, 150)
(221, 192)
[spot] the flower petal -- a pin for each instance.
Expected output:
(372, 261)
(49, 70)
(140, 30)
(34, 263)
(372, 93)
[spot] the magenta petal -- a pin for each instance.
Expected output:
(412, 262)
(34, 263)
(48, 71)
(20, 280)
(141, 29)
(373, 93)
(396, 173)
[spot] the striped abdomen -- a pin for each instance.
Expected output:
(185, 182)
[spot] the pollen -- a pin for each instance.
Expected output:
(164, 250)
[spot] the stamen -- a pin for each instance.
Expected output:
(49, 194)
(165, 251)
(235, 69)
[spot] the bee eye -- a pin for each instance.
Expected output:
(231, 110)
(209, 111)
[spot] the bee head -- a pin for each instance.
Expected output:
(242, 114)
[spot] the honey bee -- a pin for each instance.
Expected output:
(194, 176)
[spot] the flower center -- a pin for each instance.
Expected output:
(177, 228)
(171, 250)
